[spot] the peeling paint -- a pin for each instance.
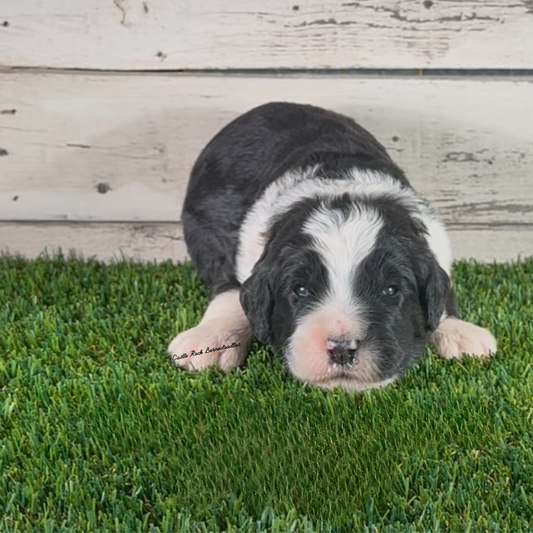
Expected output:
(122, 9)
(495, 205)
(330, 22)
(319, 22)
(394, 13)
(103, 188)
(172, 238)
(460, 157)
(75, 145)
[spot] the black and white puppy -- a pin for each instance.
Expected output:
(313, 241)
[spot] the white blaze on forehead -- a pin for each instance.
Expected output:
(297, 185)
(291, 188)
(343, 243)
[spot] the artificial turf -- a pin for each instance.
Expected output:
(100, 432)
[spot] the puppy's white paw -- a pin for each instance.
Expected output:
(196, 348)
(454, 338)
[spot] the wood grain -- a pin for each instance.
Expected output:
(254, 34)
(106, 242)
(106, 147)
(160, 241)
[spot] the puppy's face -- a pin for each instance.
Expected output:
(349, 298)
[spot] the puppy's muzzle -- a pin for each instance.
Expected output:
(343, 352)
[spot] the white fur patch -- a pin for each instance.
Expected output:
(342, 245)
(223, 323)
(298, 185)
(454, 338)
(437, 239)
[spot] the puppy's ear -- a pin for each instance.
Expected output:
(436, 295)
(257, 302)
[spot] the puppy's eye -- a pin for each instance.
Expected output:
(301, 291)
(391, 290)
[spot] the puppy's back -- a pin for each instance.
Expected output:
(260, 145)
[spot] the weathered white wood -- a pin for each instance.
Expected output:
(108, 241)
(252, 34)
(120, 147)
(159, 241)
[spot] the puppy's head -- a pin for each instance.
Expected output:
(348, 291)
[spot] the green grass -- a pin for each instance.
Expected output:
(100, 432)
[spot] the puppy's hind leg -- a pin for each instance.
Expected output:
(454, 338)
(210, 342)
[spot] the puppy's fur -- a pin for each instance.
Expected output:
(313, 241)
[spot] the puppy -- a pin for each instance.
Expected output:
(312, 240)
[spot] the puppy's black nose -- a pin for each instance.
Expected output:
(343, 352)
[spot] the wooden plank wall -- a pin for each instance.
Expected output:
(104, 105)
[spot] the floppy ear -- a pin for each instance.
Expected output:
(257, 302)
(435, 295)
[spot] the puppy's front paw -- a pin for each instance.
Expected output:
(454, 338)
(204, 346)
